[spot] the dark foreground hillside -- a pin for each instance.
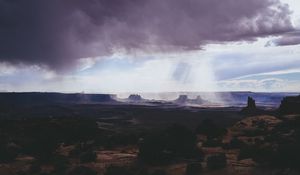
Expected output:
(90, 139)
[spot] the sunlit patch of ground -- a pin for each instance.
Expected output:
(251, 122)
(22, 163)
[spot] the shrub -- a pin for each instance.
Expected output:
(117, 170)
(234, 143)
(247, 152)
(210, 129)
(87, 157)
(34, 168)
(254, 132)
(7, 154)
(163, 147)
(159, 172)
(60, 163)
(82, 171)
(287, 156)
(213, 143)
(193, 169)
(217, 161)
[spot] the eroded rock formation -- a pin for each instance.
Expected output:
(135, 98)
(251, 107)
(290, 105)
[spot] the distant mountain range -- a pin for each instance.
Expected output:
(24, 98)
(237, 99)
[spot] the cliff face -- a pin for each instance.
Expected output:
(197, 100)
(183, 99)
(135, 98)
(290, 105)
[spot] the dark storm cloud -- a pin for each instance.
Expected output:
(56, 33)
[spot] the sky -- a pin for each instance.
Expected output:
(114, 46)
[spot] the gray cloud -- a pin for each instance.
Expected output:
(287, 39)
(254, 61)
(56, 33)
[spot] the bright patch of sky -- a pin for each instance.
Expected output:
(219, 67)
